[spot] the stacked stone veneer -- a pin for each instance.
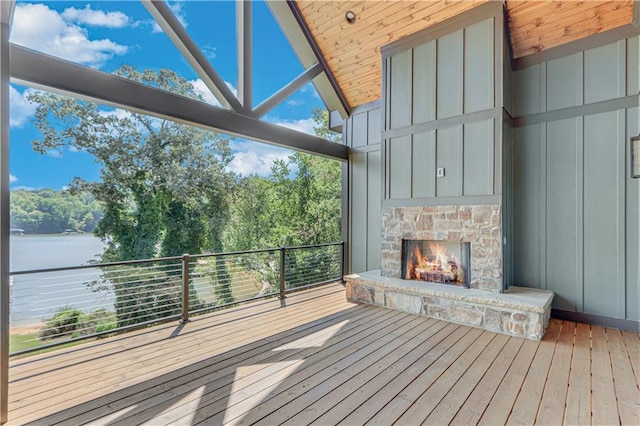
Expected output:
(520, 311)
(479, 225)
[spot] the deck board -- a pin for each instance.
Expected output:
(552, 405)
(603, 396)
(578, 404)
(320, 359)
(529, 398)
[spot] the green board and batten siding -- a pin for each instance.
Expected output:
(441, 112)
(365, 186)
(576, 208)
(549, 142)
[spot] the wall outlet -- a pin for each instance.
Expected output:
(440, 172)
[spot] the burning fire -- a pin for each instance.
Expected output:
(434, 266)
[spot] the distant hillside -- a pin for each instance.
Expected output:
(47, 211)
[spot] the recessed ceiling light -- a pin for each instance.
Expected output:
(350, 17)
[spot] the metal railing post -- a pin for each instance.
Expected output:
(342, 262)
(282, 274)
(185, 288)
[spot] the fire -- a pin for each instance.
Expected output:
(435, 265)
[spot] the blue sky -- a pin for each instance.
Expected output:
(105, 35)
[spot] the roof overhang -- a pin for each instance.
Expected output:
(351, 51)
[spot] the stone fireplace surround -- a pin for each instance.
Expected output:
(519, 311)
(479, 225)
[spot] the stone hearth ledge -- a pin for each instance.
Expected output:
(519, 311)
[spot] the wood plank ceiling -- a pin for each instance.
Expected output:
(352, 51)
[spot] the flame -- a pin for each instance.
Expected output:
(436, 265)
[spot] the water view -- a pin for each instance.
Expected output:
(36, 297)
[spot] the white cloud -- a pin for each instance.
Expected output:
(96, 18)
(55, 153)
(304, 125)
(20, 109)
(210, 52)
(202, 89)
(12, 179)
(122, 114)
(255, 157)
(310, 88)
(38, 27)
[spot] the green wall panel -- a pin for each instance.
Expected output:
(399, 157)
(528, 206)
(400, 99)
(358, 129)
(358, 212)
(424, 82)
(424, 165)
(528, 91)
(478, 158)
(374, 209)
(449, 77)
(365, 190)
(564, 82)
(478, 66)
(563, 239)
(603, 215)
(604, 72)
(449, 157)
(374, 127)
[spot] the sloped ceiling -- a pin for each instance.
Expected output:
(352, 51)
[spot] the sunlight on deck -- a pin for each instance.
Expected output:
(316, 358)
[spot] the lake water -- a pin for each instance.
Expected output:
(36, 297)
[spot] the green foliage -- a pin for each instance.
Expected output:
(64, 322)
(164, 186)
(70, 321)
(47, 211)
(298, 204)
(165, 190)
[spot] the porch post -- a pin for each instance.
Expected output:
(6, 12)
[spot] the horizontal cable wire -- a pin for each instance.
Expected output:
(89, 301)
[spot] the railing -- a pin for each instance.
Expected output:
(52, 307)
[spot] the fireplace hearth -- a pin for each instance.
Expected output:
(442, 262)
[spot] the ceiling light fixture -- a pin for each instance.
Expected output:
(350, 17)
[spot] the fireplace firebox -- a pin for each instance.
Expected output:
(443, 262)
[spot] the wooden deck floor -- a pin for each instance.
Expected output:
(323, 360)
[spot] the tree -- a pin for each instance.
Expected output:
(164, 185)
(298, 204)
(47, 211)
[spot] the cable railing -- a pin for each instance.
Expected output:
(58, 306)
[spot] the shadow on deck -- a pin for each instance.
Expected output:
(318, 358)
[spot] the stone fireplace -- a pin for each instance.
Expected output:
(481, 301)
(478, 225)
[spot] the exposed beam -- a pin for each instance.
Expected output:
(319, 55)
(56, 75)
(275, 99)
(298, 36)
(6, 16)
(244, 29)
(194, 56)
